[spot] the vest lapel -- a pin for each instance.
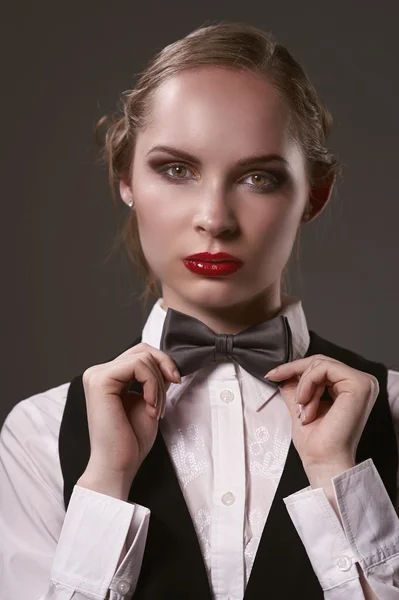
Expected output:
(280, 549)
(281, 554)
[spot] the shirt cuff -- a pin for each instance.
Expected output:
(369, 533)
(368, 516)
(323, 537)
(93, 535)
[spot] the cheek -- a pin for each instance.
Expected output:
(159, 220)
(277, 222)
(273, 231)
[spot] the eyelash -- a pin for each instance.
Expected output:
(278, 178)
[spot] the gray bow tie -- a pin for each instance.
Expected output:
(258, 349)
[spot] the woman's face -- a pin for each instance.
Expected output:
(216, 170)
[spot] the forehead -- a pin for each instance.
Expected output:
(213, 108)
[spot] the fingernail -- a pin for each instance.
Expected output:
(159, 411)
(271, 372)
(300, 412)
(298, 395)
(176, 375)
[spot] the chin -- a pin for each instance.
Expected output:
(216, 293)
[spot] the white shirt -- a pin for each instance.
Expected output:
(228, 436)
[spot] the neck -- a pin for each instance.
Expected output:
(229, 319)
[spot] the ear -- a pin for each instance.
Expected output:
(125, 191)
(318, 199)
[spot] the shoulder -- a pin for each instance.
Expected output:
(42, 411)
(29, 439)
(319, 345)
(390, 378)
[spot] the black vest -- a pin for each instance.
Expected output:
(173, 567)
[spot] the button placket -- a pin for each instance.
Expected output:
(226, 396)
(229, 481)
(228, 498)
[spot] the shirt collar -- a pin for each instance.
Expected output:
(292, 309)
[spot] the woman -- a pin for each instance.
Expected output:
(219, 152)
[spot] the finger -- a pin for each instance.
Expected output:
(306, 392)
(287, 392)
(353, 391)
(340, 378)
(305, 388)
(111, 381)
(167, 372)
(161, 385)
(290, 369)
(300, 414)
(163, 388)
(163, 382)
(355, 403)
(312, 379)
(298, 367)
(165, 363)
(152, 412)
(133, 397)
(153, 394)
(309, 411)
(141, 368)
(146, 374)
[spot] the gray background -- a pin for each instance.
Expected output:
(64, 305)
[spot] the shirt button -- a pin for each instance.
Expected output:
(227, 396)
(228, 499)
(344, 563)
(122, 587)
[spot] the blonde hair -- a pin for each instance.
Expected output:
(232, 45)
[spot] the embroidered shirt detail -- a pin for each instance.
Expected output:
(256, 521)
(261, 436)
(271, 464)
(202, 521)
(189, 464)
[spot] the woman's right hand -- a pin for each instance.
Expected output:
(123, 425)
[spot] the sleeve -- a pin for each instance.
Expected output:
(368, 535)
(45, 553)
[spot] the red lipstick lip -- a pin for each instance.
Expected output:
(217, 257)
(212, 268)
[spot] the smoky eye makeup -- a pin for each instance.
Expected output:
(174, 170)
(258, 178)
(264, 180)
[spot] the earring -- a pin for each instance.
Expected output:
(307, 214)
(130, 203)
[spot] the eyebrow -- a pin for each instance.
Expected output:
(245, 162)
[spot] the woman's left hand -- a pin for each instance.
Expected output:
(326, 434)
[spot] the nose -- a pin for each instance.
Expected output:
(214, 215)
